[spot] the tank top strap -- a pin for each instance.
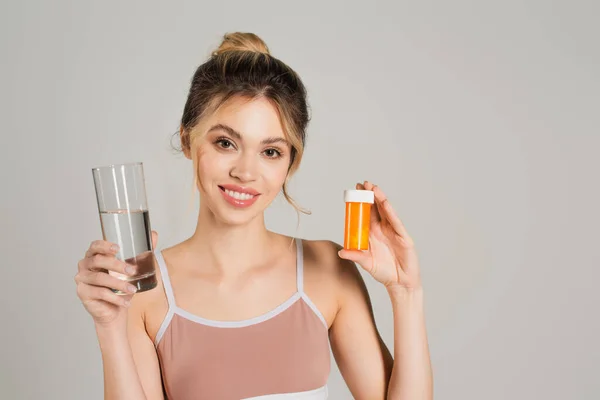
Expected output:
(299, 266)
(165, 277)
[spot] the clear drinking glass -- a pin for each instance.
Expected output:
(124, 217)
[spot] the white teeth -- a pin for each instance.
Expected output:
(238, 196)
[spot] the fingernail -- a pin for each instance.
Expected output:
(131, 289)
(129, 270)
(114, 248)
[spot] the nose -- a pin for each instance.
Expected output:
(245, 168)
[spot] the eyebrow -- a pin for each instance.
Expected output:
(237, 135)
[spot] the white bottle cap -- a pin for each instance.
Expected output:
(359, 196)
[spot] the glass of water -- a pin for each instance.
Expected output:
(124, 217)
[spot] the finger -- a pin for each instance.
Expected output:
(105, 280)
(110, 263)
(357, 256)
(93, 293)
(387, 211)
(102, 247)
(154, 239)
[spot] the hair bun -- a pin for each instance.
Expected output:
(242, 41)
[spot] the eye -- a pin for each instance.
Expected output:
(273, 153)
(224, 143)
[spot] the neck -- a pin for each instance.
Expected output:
(230, 249)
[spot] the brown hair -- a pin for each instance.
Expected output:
(243, 66)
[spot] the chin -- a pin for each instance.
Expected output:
(232, 217)
(230, 214)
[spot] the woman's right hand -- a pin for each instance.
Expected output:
(94, 284)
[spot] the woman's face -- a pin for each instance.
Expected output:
(243, 159)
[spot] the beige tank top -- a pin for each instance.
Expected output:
(282, 354)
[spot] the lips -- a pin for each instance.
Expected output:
(239, 196)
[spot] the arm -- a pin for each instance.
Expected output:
(412, 377)
(392, 260)
(361, 355)
(129, 359)
(363, 358)
(130, 362)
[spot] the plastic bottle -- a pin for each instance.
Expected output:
(358, 218)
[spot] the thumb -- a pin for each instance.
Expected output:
(357, 256)
(154, 239)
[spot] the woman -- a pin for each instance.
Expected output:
(242, 312)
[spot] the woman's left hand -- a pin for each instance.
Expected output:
(391, 258)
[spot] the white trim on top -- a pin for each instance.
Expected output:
(315, 310)
(163, 326)
(318, 394)
(242, 323)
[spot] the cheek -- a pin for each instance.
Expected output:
(275, 176)
(210, 162)
(208, 166)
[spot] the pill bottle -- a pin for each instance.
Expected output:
(358, 218)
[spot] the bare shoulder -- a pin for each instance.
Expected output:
(150, 306)
(322, 252)
(330, 279)
(323, 255)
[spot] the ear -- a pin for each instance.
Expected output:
(184, 137)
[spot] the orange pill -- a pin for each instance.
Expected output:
(358, 218)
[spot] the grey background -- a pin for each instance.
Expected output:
(479, 119)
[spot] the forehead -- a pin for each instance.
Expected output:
(251, 117)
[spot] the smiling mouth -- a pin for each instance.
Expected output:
(238, 195)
